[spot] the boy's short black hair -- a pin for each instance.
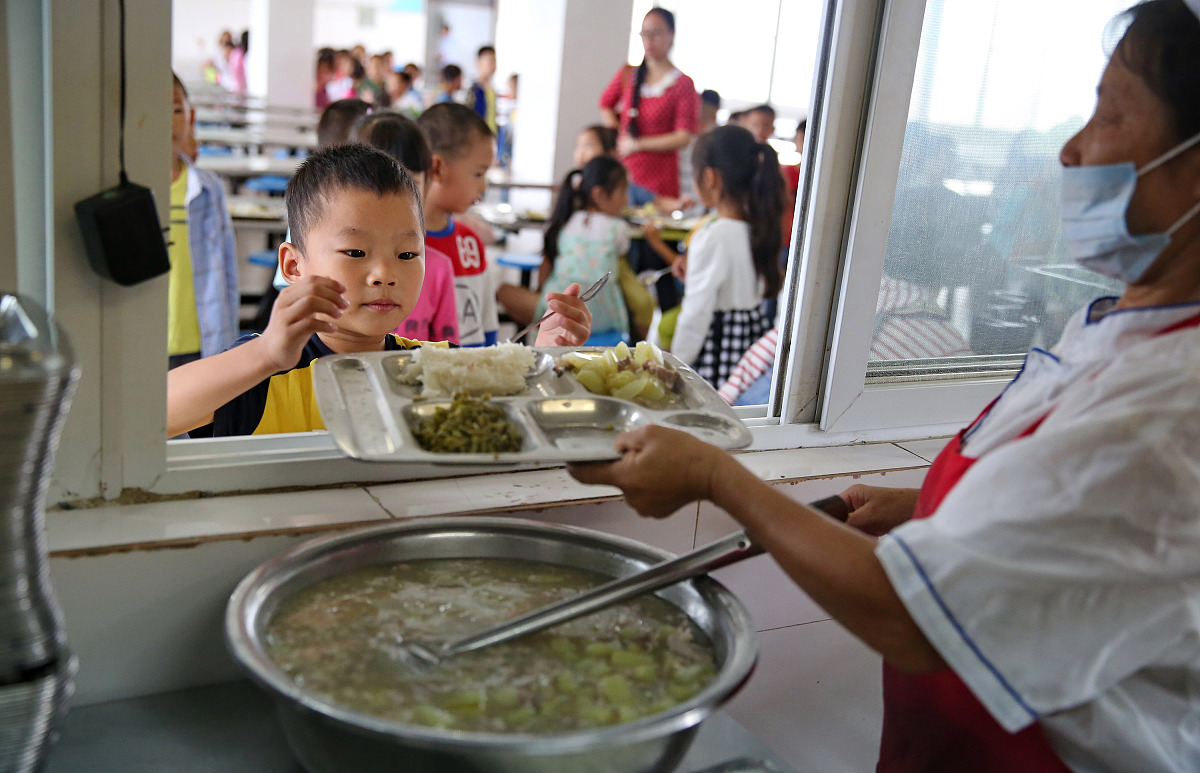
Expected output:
(340, 168)
(338, 119)
(179, 85)
(485, 50)
(710, 97)
(763, 109)
(451, 128)
(450, 72)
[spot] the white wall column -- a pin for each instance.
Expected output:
(565, 52)
(281, 63)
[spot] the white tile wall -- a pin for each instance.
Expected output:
(199, 518)
(149, 621)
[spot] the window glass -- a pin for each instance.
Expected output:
(974, 265)
(743, 55)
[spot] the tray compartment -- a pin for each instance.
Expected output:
(415, 413)
(367, 417)
(541, 381)
(709, 427)
(585, 424)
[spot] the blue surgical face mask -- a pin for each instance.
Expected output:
(1094, 202)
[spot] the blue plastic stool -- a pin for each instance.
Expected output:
(271, 184)
(265, 258)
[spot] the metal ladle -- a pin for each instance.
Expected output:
(729, 550)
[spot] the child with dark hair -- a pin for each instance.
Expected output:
(354, 267)
(451, 83)
(585, 238)
(760, 120)
(594, 140)
(463, 149)
(435, 317)
(337, 119)
(402, 96)
(733, 261)
(481, 97)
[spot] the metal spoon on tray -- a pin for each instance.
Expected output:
(584, 296)
(729, 550)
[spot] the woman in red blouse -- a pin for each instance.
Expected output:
(656, 110)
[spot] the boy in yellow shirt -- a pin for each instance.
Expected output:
(354, 270)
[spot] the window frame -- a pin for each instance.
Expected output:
(847, 401)
(113, 440)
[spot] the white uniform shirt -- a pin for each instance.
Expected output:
(1060, 578)
(720, 277)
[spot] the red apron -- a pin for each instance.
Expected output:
(933, 722)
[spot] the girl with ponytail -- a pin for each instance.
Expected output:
(733, 261)
(656, 110)
(586, 237)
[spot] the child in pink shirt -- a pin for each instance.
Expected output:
(435, 317)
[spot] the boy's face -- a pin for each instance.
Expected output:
(374, 246)
(760, 123)
(457, 183)
(182, 121)
(486, 64)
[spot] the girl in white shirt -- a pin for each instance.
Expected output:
(733, 262)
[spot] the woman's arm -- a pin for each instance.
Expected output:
(661, 470)
(611, 98)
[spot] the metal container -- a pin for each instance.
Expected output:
(370, 407)
(330, 739)
(37, 377)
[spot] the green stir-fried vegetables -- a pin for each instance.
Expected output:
(471, 425)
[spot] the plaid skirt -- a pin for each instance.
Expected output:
(729, 336)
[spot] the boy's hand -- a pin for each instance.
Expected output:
(300, 310)
(571, 324)
(679, 268)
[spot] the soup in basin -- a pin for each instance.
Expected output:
(338, 638)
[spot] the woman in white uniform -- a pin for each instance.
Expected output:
(1037, 601)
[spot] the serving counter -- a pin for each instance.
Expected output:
(232, 728)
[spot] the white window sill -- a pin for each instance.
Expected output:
(185, 522)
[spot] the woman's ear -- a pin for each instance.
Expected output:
(290, 262)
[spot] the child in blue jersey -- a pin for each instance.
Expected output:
(354, 269)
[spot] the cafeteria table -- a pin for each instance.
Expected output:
(525, 263)
(256, 137)
(238, 168)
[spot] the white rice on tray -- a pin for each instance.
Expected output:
(493, 370)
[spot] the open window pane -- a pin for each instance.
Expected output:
(974, 272)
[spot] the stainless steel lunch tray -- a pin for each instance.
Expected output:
(369, 409)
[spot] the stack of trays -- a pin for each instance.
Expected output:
(370, 409)
(37, 376)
